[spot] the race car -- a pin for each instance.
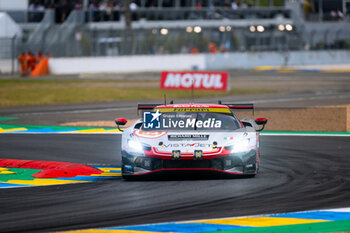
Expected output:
(191, 137)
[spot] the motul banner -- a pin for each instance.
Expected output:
(201, 80)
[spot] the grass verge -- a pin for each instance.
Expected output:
(36, 92)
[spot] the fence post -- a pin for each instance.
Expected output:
(13, 54)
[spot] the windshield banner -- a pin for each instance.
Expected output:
(200, 80)
(186, 121)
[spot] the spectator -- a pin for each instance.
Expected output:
(77, 6)
(36, 11)
(31, 61)
(22, 59)
(109, 9)
(306, 46)
(154, 49)
(39, 57)
(62, 8)
(40, 7)
(102, 6)
(234, 5)
(334, 15)
(211, 5)
(32, 6)
(212, 47)
(92, 6)
(194, 51)
(223, 48)
(117, 6)
(340, 15)
(93, 10)
(160, 50)
(104, 11)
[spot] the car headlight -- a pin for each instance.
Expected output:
(239, 146)
(135, 146)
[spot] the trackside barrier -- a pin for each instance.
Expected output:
(126, 64)
(41, 69)
(180, 62)
(246, 60)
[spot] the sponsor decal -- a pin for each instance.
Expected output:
(176, 154)
(184, 145)
(191, 123)
(180, 137)
(198, 154)
(155, 120)
(152, 120)
(217, 110)
(200, 80)
(191, 110)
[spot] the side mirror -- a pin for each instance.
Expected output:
(261, 121)
(120, 121)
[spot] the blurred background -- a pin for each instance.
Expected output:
(74, 28)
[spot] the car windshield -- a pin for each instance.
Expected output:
(192, 121)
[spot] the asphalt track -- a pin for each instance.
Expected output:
(297, 173)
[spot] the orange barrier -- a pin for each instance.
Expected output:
(41, 69)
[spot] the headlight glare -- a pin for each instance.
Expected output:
(135, 146)
(241, 146)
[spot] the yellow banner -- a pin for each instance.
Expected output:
(218, 110)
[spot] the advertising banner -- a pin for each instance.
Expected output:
(200, 80)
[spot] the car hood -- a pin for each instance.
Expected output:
(189, 141)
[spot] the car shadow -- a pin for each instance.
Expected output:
(185, 175)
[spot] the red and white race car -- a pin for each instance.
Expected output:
(195, 137)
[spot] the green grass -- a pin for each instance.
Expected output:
(35, 92)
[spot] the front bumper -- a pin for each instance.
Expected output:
(235, 164)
